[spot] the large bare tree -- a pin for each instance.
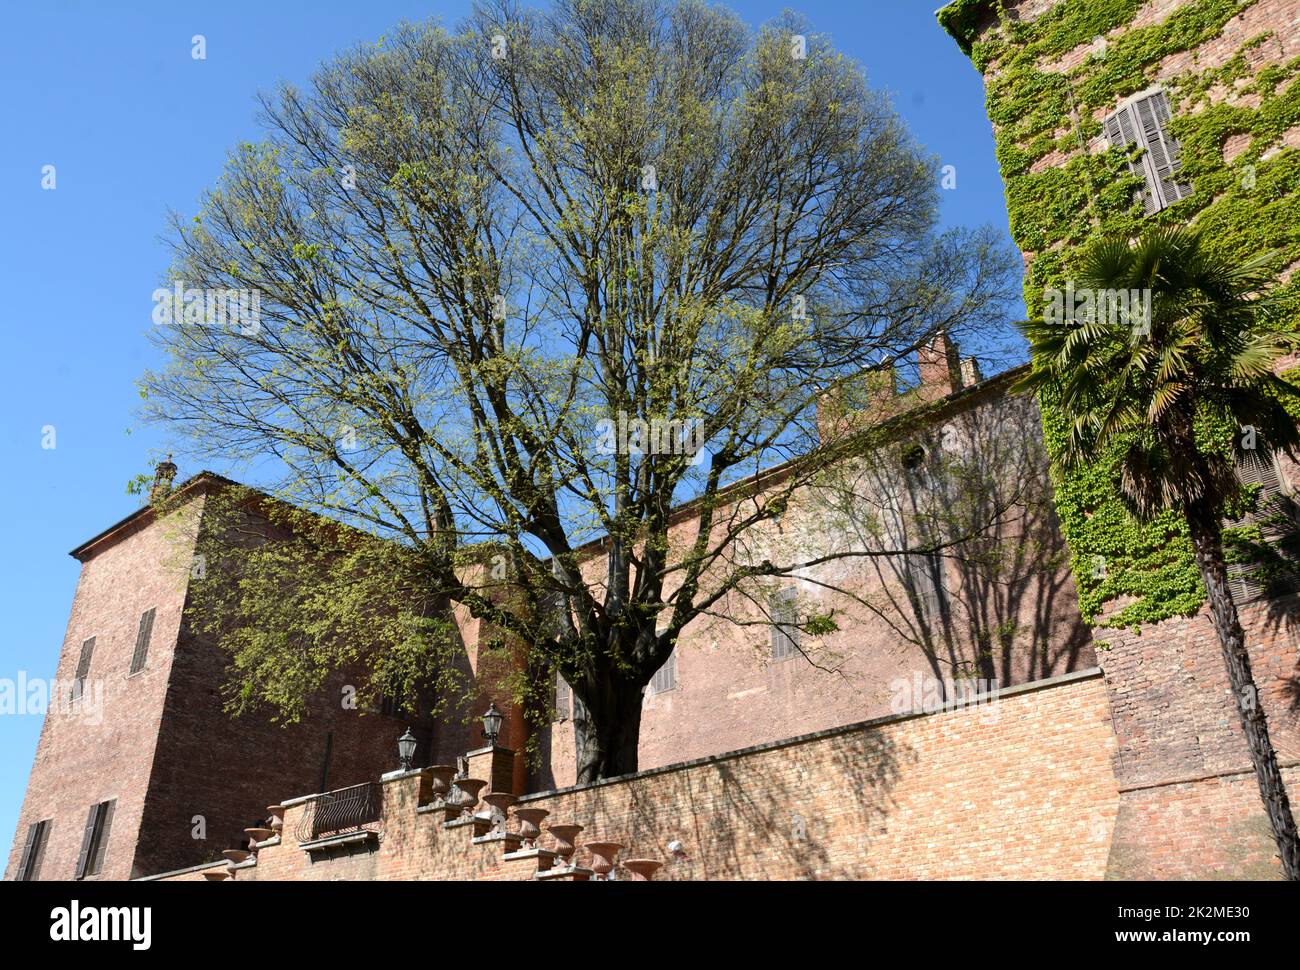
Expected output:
(482, 257)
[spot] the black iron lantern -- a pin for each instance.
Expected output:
(492, 724)
(406, 749)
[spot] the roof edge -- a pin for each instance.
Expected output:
(195, 484)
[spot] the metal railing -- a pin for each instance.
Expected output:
(358, 808)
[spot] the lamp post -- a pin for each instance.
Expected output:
(492, 724)
(406, 749)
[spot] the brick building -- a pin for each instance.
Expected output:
(138, 769)
(1109, 118)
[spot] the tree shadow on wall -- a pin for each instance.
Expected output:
(1264, 553)
(965, 548)
(802, 812)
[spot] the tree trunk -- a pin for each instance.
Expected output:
(607, 729)
(1207, 545)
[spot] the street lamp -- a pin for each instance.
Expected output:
(406, 749)
(492, 724)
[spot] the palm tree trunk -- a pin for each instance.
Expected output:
(1207, 545)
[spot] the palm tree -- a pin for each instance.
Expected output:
(1148, 379)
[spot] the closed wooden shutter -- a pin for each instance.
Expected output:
(1143, 121)
(142, 641)
(83, 667)
(1271, 514)
(665, 677)
(563, 698)
(783, 612)
(42, 840)
(33, 850)
(101, 837)
(925, 575)
(1152, 114)
(87, 840)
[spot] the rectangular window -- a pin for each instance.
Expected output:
(38, 834)
(563, 698)
(925, 583)
(142, 636)
(665, 677)
(94, 841)
(83, 668)
(392, 703)
(1274, 514)
(1143, 121)
(783, 611)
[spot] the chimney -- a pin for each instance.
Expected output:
(163, 477)
(970, 372)
(940, 368)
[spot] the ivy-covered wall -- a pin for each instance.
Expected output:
(1232, 74)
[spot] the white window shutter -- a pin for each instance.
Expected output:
(1144, 121)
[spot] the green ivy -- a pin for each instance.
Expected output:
(1141, 573)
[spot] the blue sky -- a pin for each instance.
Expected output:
(110, 95)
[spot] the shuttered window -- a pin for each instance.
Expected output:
(665, 677)
(1274, 515)
(38, 834)
(783, 611)
(1143, 121)
(94, 841)
(925, 581)
(142, 637)
(563, 698)
(83, 668)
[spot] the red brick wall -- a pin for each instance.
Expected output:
(165, 750)
(79, 763)
(730, 693)
(1018, 789)
(1189, 804)
(1182, 758)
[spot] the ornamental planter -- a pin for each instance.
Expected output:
(565, 836)
(604, 853)
(499, 803)
(440, 777)
(530, 822)
(235, 856)
(469, 789)
(641, 870)
(277, 818)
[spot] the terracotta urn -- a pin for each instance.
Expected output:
(499, 803)
(216, 875)
(277, 818)
(603, 856)
(469, 789)
(530, 825)
(565, 836)
(259, 834)
(440, 777)
(235, 856)
(641, 870)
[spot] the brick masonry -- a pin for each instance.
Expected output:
(1020, 788)
(1013, 622)
(163, 748)
(1189, 804)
